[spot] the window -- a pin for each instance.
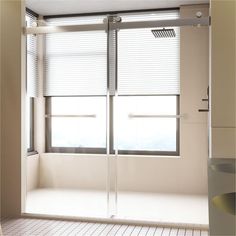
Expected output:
(142, 118)
(30, 124)
(143, 125)
(31, 81)
(77, 124)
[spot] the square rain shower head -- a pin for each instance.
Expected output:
(164, 33)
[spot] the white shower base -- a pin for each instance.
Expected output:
(166, 208)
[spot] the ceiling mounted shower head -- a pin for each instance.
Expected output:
(164, 33)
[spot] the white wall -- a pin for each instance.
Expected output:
(187, 174)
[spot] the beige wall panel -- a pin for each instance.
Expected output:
(194, 73)
(11, 35)
(0, 110)
(223, 142)
(32, 180)
(72, 171)
(187, 174)
(223, 62)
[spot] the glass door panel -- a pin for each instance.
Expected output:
(146, 118)
(73, 171)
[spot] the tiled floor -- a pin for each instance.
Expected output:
(43, 227)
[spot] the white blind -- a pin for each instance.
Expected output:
(75, 62)
(82, 20)
(148, 65)
(32, 59)
(151, 16)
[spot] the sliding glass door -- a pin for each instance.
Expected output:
(111, 107)
(146, 113)
(75, 91)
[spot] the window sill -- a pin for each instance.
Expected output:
(31, 153)
(112, 155)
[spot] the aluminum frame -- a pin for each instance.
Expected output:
(204, 21)
(31, 149)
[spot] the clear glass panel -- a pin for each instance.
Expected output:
(144, 131)
(146, 126)
(75, 170)
(86, 127)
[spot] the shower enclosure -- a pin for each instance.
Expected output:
(111, 86)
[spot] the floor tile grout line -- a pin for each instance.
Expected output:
(95, 228)
(86, 223)
(113, 228)
(177, 232)
(100, 225)
(41, 226)
(155, 231)
(125, 230)
(162, 231)
(45, 223)
(105, 225)
(117, 230)
(132, 230)
(147, 231)
(71, 230)
(56, 223)
(110, 229)
(10, 226)
(68, 225)
(91, 225)
(9, 223)
(27, 228)
(60, 228)
(36, 225)
(78, 228)
(139, 230)
(103, 229)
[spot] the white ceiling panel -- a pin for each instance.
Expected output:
(57, 7)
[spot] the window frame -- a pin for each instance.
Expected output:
(48, 138)
(31, 149)
(50, 148)
(111, 149)
(156, 152)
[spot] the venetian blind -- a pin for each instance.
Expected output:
(148, 65)
(76, 62)
(32, 59)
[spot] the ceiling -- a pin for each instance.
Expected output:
(57, 7)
